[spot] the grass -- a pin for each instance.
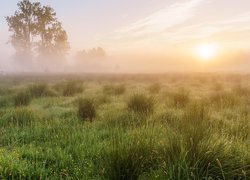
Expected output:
(86, 109)
(202, 132)
(22, 98)
(141, 104)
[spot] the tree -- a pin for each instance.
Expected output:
(23, 26)
(36, 31)
(53, 38)
(94, 53)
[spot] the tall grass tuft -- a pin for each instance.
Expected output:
(72, 87)
(22, 98)
(21, 116)
(86, 109)
(114, 89)
(128, 158)
(41, 90)
(154, 88)
(141, 104)
(180, 98)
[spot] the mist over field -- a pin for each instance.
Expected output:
(162, 38)
(125, 89)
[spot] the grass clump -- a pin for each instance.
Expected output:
(154, 88)
(128, 158)
(71, 88)
(20, 116)
(22, 98)
(5, 101)
(180, 98)
(86, 109)
(141, 104)
(224, 99)
(114, 90)
(41, 90)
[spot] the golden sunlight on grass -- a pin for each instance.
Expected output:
(206, 51)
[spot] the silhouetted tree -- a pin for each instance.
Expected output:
(23, 26)
(36, 30)
(91, 53)
(53, 38)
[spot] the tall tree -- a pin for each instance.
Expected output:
(23, 26)
(36, 31)
(53, 38)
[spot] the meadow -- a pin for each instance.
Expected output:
(125, 127)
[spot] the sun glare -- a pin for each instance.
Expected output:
(206, 51)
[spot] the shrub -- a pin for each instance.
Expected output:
(154, 88)
(22, 98)
(71, 88)
(141, 104)
(86, 109)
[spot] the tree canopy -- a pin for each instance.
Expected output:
(36, 32)
(96, 53)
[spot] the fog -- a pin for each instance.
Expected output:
(126, 64)
(147, 39)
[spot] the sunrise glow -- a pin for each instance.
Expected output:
(206, 51)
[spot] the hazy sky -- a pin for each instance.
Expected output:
(147, 26)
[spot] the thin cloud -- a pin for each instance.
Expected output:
(161, 20)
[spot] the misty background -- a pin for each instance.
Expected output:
(142, 36)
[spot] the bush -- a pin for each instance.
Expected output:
(141, 104)
(86, 109)
(154, 88)
(71, 88)
(22, 98)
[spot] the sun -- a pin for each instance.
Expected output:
(206, 51)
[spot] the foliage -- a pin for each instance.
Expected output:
(35, 27)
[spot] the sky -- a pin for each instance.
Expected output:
(154, 32)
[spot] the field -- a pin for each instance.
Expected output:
(125, 127)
